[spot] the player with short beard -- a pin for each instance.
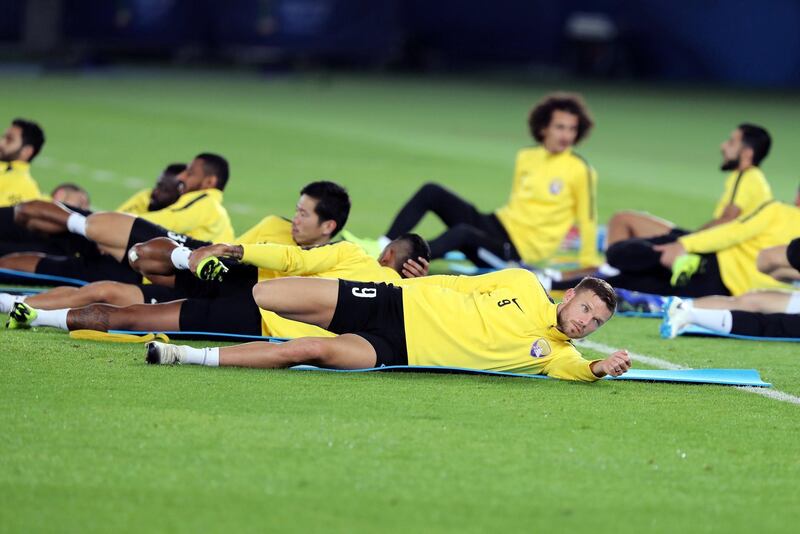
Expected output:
(501, 321)
(745, 189)
(19, 146)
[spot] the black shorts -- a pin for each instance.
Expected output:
(793, 254)
(238, 281)
(230, 315)
(143, 230)
(156, 294)
(89, 269)
(765, 324)
(373, 311)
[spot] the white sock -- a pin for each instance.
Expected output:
(383, 241)
(55, 318)
(7, 301)
(180, 258)
(607, 270)
(76, 223)
(718, 320)
(207, 356)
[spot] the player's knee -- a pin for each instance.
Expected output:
(104, 292)
(430, 190)
(157, 249)
(315, 351)
(621, 219)
(262, 293)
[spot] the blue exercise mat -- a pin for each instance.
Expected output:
(20, 277)
(640, 314)
(20, 290)
(728, 377)
(695, 330)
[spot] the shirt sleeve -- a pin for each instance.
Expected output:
(729, 234)
(570, 365)
(182, 219)
(293, 260)
(586, 214)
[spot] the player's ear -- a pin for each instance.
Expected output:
(328, 227)
(26, 152)
(746, 154)
(387, 256)
(210, 181)
(569, 294)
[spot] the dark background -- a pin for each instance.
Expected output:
(733, 42)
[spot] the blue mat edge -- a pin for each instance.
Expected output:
(48, 277)
(694, 330)
(651, 375)
(658, 375)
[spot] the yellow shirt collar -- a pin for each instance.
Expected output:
(16, 165)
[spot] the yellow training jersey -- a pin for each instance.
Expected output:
(550, 193)
(270, 229)
(501, 321)
(737, 244)
(337, 260)
(136, 204)
(16, 183)
(747, 189)
(198, 214)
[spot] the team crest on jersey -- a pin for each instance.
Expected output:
(540, 348)
(556, 186)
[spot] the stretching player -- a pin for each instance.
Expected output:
(502, 321)
(760, 314)
(229, 306)
(553, 188)
(322, 208)
(717, 261)
(198, 214)
(19, 146)
(36, 235)
(746, 188)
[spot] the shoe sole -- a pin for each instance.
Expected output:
(153, 356)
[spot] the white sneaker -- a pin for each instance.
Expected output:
(677, 316)
(165, 353)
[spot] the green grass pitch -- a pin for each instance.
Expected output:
(92, 440)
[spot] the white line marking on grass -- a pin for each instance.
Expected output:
(100, 175)
(133, 182)
(665, 364)
(771, 393)
(74, 168)
(240, 208)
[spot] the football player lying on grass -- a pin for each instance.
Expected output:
(321, 210)
(502, 321)
(228, 306)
